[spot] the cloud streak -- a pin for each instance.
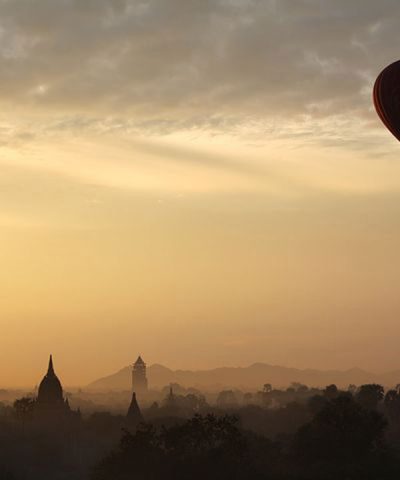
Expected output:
(176, 63)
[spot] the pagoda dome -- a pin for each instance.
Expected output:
(50, 389)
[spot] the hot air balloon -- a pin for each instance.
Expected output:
(387, 97)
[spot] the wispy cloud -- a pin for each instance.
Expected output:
(159, 65)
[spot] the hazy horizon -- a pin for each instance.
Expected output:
(33, 384)
(204, 183)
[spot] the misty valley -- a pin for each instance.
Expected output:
(296, 431)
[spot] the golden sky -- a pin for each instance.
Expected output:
(201, 182)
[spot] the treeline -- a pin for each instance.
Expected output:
(346, 437)
(295, 433)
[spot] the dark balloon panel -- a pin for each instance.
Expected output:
(387, 97)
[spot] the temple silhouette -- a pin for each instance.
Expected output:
(51, 408)
(52, 411)
(139, 390)
(139, 377)
(134, 416)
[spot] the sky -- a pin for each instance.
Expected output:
(203, 182)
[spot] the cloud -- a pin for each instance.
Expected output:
(173, 63)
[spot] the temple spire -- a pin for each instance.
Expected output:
(50, 370)
(139, 378)
(134, 415)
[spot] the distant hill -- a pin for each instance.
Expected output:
(252, 377)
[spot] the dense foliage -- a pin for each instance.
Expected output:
(294, 434)
(344, 440)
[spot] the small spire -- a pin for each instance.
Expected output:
(50, 370)
(134, 414)
(139, 361)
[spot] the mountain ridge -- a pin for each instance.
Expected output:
(250, 377)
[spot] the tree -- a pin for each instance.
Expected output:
(299, 387)
(342, 437)
(203, 447)
(316, 403)
(248, 398)
(24, 408)
(331, 391)
(227, 398)
(202, 434)
(392, 404)
(194, 402)
(352, 389)
(370, 395)
(267, 388)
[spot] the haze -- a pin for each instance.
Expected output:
(202, 182)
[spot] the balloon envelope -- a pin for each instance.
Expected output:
(387, 97)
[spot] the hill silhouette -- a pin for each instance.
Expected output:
(251, 377)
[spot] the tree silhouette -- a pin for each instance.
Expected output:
(370, 395)
(316, 403)
(267, 388)
(392, 405)
(331, 391)
(227, 398)
(24, 408)
(341, 439)
(203, 447)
